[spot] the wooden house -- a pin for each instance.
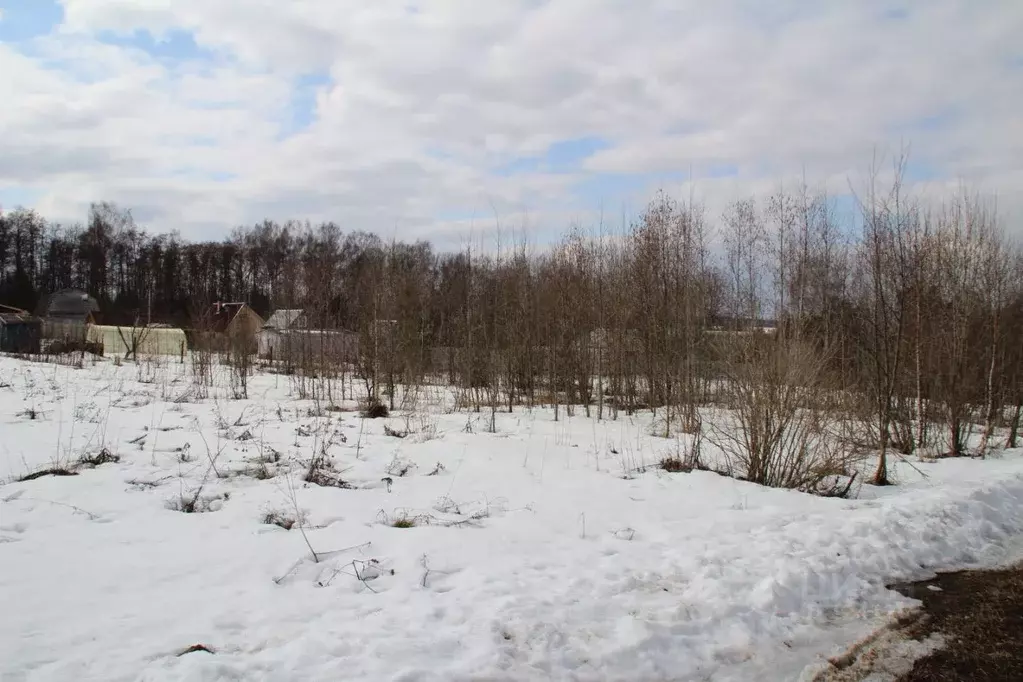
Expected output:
(233, 325)
(287, 338)
(66, 316)
(20, 331)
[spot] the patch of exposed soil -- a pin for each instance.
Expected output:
(980, 617)
(969, 628)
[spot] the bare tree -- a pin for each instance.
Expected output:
(887, 217)
(1011, 332)
(134, 338)
(963, 245)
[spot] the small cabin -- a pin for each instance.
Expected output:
(20, 331)
(66, 315)
(285, 338)
(286, 318)
(229, 325)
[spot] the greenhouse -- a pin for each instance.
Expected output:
(149, 340)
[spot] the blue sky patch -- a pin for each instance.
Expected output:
(520, 166)
(12, 197)
(610, 188)
(302, 109)
(27, 19)
(564, 156)
(174, 46)
(568, 154)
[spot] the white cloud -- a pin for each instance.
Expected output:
(421, 106)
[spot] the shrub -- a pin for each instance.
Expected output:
(782, 434)
(686, 457)
(400, 467)
(327, 478)
(104, 456)
(277, 517)
(674, 464)
(394, 433)
(403, 519)
(374, 409)
(197, 503)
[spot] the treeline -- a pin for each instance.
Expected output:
(132, 273)
(906, 320)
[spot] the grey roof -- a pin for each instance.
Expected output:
(283, 319)
(69, 304)
(21, 317)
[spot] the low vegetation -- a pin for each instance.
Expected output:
(198, 502)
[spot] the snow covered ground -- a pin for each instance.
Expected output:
(536, 552)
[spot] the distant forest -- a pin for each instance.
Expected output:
(914, 310)
(136, 275)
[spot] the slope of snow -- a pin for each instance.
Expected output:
(540, 551)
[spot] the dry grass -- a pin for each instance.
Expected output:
(54, 471)
(281, 518)
(197, 503)
(104, 456)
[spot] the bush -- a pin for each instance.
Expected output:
(674, 465)
(403, 519)
(374, 409)
(276, 517)
(197, 503)
(104, 456)
(327, 478)
(686, 457)
(394, 433)
(784, 432)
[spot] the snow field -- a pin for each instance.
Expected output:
(541, 551)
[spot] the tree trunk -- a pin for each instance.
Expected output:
(1014, 425)
(992, 412)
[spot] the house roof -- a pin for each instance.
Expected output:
(283, 318)
(222, 314)
(12, 315)
(72, 304)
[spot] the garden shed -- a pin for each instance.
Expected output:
(228, 325)
(284, 338)
(66, 314)
(20, 332)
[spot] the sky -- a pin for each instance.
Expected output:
(440, 119)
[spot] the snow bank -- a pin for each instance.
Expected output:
(536, 552)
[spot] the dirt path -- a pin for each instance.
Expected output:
(970, 628)
(979, 615)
